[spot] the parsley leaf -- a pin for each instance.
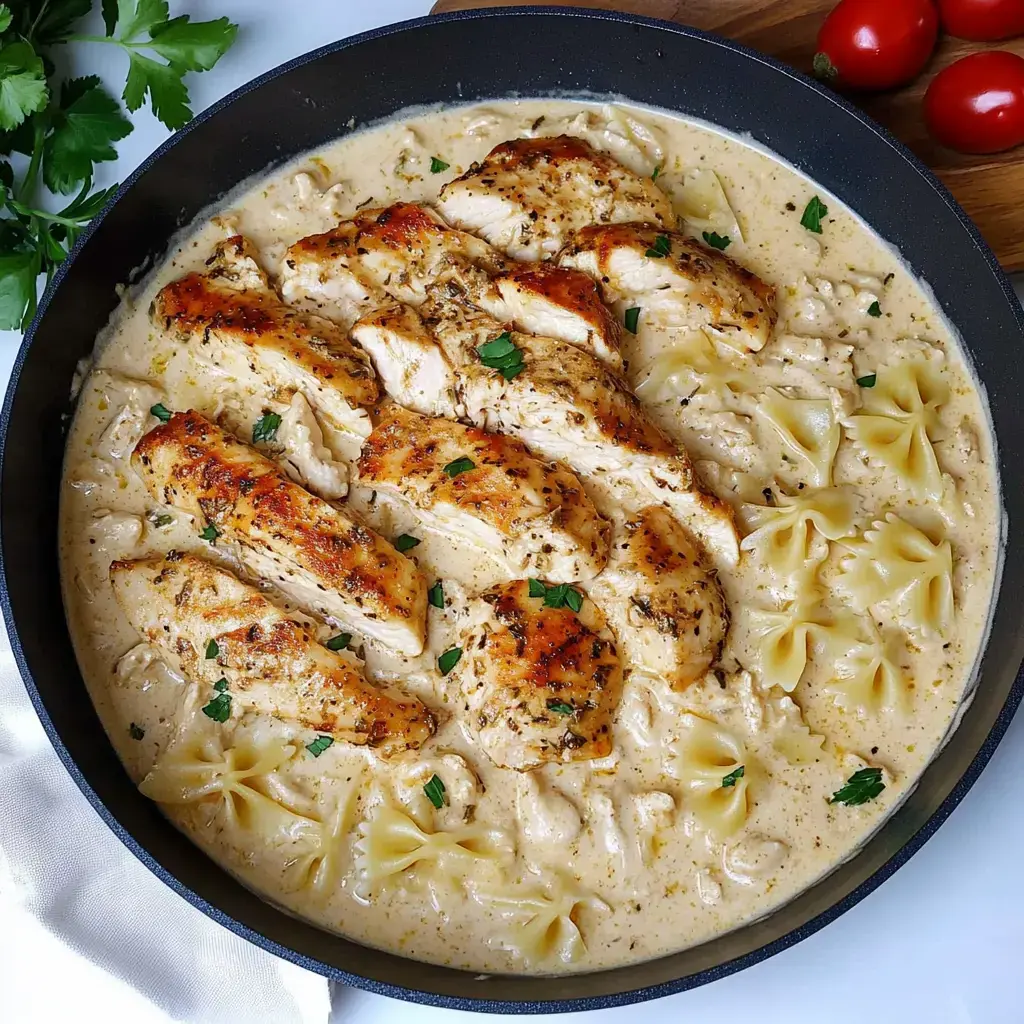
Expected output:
(339, 642)
(459, 466)
(874, 309)
(5, 17)
(319, 745)
(210, 533)
(161, 519)
(860, 787)
(265, 428)
(435, 595)
(160, 411)
(733, 777)
(716, 241)
(219, 709)
(212, 650)
(502, 354)
(561, 596)
(221, 685)
(449, 660)
(18, 273)
(437, 165)
(436, 792)
(812, 215)
(23, 89)
(867, 381)
(631, 318)
(136, 731)
(661, 248)
(561, 707)
(655, 173)
(405, 542)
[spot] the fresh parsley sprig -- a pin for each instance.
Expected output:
(65, 129)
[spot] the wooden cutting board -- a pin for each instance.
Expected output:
(990, 189)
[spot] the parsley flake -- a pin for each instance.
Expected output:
(136, 731)
(437, 165)
(212, 650)
(264, 429)
(319, 745)
(221, 686)
(655, 173)
(435, 595)
(160, 411)
(219, 709)
(449, 660)
(339, 642)
(661, 248)
(733, 777)
(874, 309)
(812, 215)
(502, 354)
(161, 519)
(459, 466)
(631, 318)
(867, 381)
(716, 241)
(211, 533)
(860, 787)
(405, 542)
(436, 792)
(561, 707)
(561, 596)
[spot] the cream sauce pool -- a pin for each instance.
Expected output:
(644, 852)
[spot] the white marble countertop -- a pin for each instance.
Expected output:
(939, 942)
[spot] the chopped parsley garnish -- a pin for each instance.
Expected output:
(221, 686)
(319, 745)
(661, 248)
(874, 309)
(733, 777)
(867, 381)
(211, 533)
(437, 165)
(502, 355)
(160, 411)
(406, 542)
(655, 173)
(212, 650)
(463, 465)
(561, 707)
(561, 596)
(449, 660)
(813, 213)
(717, 241)
(161, 519)
(219, 709)
(339, 642)
(435, 595)
(265, 428)
(630, 319)
(860, 787)
(136, 731)
(435, 792)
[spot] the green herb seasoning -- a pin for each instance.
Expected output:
(860, 787)
(449, 660)
(210, 533)
(874, 309)
(319, 745)
(733, 777)
(435, 595)
(561, 596)
(459, 466)
(661, 248)
(160, 411)
(161, 519)
(560, 707)
(812, 215)
(265, 428)
(501, 354)
(405, 542)
(219, 709)
(212, 650)
(867, 381)
(631, 318)
(339, 642)
(655, 173)
(436, 792)
(716, 241)
(437, 165)
(221, 686)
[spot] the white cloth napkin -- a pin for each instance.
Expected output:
(70, 892)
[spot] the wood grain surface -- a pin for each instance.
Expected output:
(990, 189)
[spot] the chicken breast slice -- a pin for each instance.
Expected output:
(271, 662)
(536, 683)
(322, 558)
(663, 598)
(533, 516)
(527, 195)
(233, 318)
(688, 286)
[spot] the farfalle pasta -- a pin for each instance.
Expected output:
(807, 431)
(870, 679)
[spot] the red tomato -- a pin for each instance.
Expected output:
(983, 20)
(977, 104)
(876, 44)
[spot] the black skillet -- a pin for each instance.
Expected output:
(447, 60)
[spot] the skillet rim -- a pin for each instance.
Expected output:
(902, 854)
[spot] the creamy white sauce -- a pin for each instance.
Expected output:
(604, 862)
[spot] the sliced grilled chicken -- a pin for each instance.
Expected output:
(675, 282)
(321, 557)
(232, 317)
(382, 254)
(527, 195)
(490, 490)
(271, 662)
(567, 405)
(537, 683)
(663, 598)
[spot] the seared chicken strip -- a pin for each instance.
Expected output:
(675, 282)
(664, 600)
(527, 195)
(490, 490)
(537, 683)
(234, 318)
(271, 662)
(397, 254)
(319, 556)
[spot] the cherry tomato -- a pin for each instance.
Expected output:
(982, 20)
(977, 104)
(876, 44)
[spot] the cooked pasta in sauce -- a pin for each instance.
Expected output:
(670, 784)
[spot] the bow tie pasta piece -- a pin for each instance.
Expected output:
(711, 762)
(870, 679)
(807, 431)
(694, 364)
(900, 419)
(898, 563)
